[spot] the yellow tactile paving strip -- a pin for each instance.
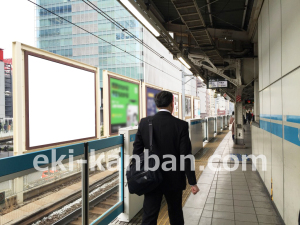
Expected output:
(200, 160)
(22, 212)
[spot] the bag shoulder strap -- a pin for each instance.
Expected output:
(150, 135)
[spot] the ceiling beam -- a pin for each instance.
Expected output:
(214, 33)
(209, 10)
(244, 14)
(198, 60)
(165, 38)
(228, 34)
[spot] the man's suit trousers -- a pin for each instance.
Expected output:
(152, 203)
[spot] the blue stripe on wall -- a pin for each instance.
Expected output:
(273, 128)
(276, 117)
(293, 119)
(271, 117)
(276, 129)
(292, 135)
(265, 116)
(265, 125)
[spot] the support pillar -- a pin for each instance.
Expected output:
(239, 121)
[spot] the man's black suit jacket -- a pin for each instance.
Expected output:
(170, 136)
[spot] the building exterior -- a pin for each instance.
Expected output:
(2, 87)
(8, 88)
(58, 36)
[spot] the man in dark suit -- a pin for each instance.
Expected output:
(170, 137)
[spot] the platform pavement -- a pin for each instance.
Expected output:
(231, 198)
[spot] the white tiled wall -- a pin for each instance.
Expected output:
(265, 44)
(290, 89)
(277, 151)
(275, 40)
(290, 35)
(279, 88)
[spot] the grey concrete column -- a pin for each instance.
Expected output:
(239, 121)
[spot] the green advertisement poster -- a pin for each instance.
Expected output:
(124, 104)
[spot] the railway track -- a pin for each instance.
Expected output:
(58, 205)
(97, 207)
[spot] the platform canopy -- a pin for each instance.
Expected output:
(206, 35)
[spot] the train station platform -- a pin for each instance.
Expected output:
(226, 197)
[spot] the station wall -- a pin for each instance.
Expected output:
(278, 137)
(170, 80)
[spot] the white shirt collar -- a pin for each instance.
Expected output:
(164, 110)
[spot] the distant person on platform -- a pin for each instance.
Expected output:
(170, 137)
(231, 121)
(0, 126)
(249, 118)
(5, 128)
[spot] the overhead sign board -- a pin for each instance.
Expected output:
(223, 83)
(217, 84)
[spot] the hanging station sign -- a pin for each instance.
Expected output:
(217, 84)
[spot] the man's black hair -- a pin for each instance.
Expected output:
(163, 99)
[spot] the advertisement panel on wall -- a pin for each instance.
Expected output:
(124, 104)
(188, 107)
(49, 104)
(176, 105)
(150, 103)
(196, 108)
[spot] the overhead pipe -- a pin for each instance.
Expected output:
(244, 15)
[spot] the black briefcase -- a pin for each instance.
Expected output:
(139, 180)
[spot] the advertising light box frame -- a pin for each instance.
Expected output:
(192, 108)
(22, 55)
(179, 102)
(145, 87)
(198, 99)
(107, 75)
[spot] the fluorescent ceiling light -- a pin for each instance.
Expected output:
(184, 63)
(200, 78)
(140, 17)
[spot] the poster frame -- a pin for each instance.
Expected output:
(192, 108)
(197, 98)
(179, 102)
(145, 94)
(107, 75)
(20, 96)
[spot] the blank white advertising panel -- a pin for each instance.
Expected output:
(61, 102)
(196, 108)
